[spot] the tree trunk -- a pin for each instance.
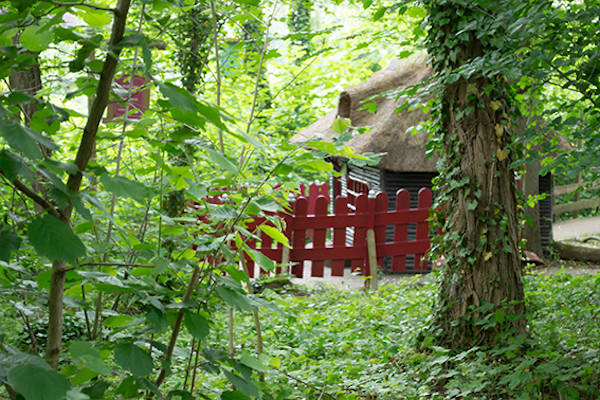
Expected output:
(84, 153)
(28, 81)
(481, 282)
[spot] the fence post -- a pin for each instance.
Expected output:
(285, 260)
(374, 281)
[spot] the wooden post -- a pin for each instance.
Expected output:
(285, 260)
(374, 281)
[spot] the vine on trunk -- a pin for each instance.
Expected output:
(481, 291)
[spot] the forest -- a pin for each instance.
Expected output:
(146, 144)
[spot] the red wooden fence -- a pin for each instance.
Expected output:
(370, 213)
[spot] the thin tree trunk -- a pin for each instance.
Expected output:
(482, 272)
(84, 153)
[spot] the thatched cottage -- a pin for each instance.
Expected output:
(405, 164)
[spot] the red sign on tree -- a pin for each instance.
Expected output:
(138, 102)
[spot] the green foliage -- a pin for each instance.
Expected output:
(152, 276)
(54, 239)
(133, 359)
(36, 381)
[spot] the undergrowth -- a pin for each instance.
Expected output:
(339, 344)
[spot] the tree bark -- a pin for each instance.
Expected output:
(482, 271)
(28, 81)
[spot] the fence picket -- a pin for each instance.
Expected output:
(400, 230)
(299, 241)
(381, 207)
(340, 210)
(319, 237)
(360, 235)
(425, 201)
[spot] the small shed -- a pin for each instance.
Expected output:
(405, 164)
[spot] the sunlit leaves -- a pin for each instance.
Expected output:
(95, 18)
(275, 234)
(186, 106)
(340, 125)
(35, 38)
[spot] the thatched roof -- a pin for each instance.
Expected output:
(405, 151)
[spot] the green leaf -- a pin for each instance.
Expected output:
(379, 13)
(157, 319)
(254, 3)
(123, 187)
(37, 382)
(371, 107)
(500, 316)
(118, 321)
(327, 147)
(241, 384)
(178, 97)
(233, 395)
(222, 161)
(340, 125)
(89, 357)
(263, 261)
(54, 239)
(416, 12)
(9, 242)
(133, 359)
(196, 325)
(275, 234)
(35, 39)
(234, 298)
(95, 18)
(252, 362)
(180, 394)
(211, 113)
(24, 139)
(10, 165)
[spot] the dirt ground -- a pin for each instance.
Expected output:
(350, 281)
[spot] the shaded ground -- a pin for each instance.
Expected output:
(350, 281)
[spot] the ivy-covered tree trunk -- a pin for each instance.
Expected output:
(481, 291)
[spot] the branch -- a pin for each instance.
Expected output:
(575, 84)
(86, 146)
(116, 264)
(82, 4)
(46, 205)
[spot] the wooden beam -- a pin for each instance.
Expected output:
(577, 252)
(578, 205)
(565, 189)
